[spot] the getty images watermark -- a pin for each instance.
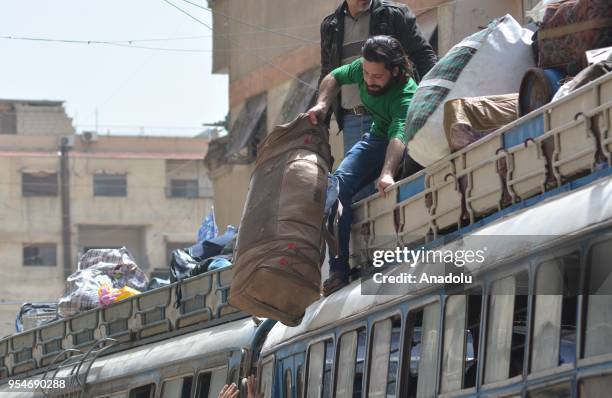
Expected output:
(413, 257)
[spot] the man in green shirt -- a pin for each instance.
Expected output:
(385, 89)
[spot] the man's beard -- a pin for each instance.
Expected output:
(380, 91)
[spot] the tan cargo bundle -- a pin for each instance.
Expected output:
(280, 245)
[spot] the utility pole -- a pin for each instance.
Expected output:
(65, 199)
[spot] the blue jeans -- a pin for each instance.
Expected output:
(360, 167)
(353, 129)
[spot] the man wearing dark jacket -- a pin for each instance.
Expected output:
(344, 32)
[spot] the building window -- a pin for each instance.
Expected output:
(184, 188)
(43, 254)
(110, 185)
(39, 184)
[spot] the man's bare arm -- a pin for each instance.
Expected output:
(393, 157)
(327, 92)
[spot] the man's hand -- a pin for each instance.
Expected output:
(229, 391)
(252, 387)
(317, 113)
(384, 181)
(327, 91)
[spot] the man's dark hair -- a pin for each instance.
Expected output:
(389, 51)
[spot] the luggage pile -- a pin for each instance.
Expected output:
(469, 93)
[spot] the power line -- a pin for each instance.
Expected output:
(130, 45)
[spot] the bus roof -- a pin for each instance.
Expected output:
(567, 214)
(237, 334)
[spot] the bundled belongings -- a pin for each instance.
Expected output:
(214, 245)
(587, 75)
(280, 245)
(571, 27)
(204, 256)
(97, 268)
(467, 120)
(490, 62)
(33, 315)
(183, 265)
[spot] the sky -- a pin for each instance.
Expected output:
(124, 86)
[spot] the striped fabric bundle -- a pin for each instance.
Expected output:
(489, 62)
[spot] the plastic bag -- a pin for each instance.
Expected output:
(489, 62)
(99, 267)
(185, 266)
(108, 295)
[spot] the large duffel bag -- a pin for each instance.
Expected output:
(489, 62)
(571, 27)
(280, 247)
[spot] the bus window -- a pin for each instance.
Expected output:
(346, 364)
(203, 386)
(472, 338)
(362, 338)
(506, 328)
(461, 324)
(379, 359)
(320, 360)
(350, 364)
(454, 330)
(265, 385)
(288, 383)
(598, 309)
(596, 387)
(143, 391)
(113, 395)
(421, 370)
(299, 382)
(217, 381)
(555, 316)
(328, 369)
(211, 382)
(177, 388)
(557, 391)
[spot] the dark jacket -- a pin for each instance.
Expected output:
(387, 18)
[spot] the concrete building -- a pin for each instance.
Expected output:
(270, 50)
(146, 193)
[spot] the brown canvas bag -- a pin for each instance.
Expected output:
(280, 247)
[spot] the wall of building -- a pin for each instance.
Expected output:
(34, 118)
(231, 185)
(146, 220)
(459, 20)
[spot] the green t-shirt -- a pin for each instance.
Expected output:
(388, 110)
